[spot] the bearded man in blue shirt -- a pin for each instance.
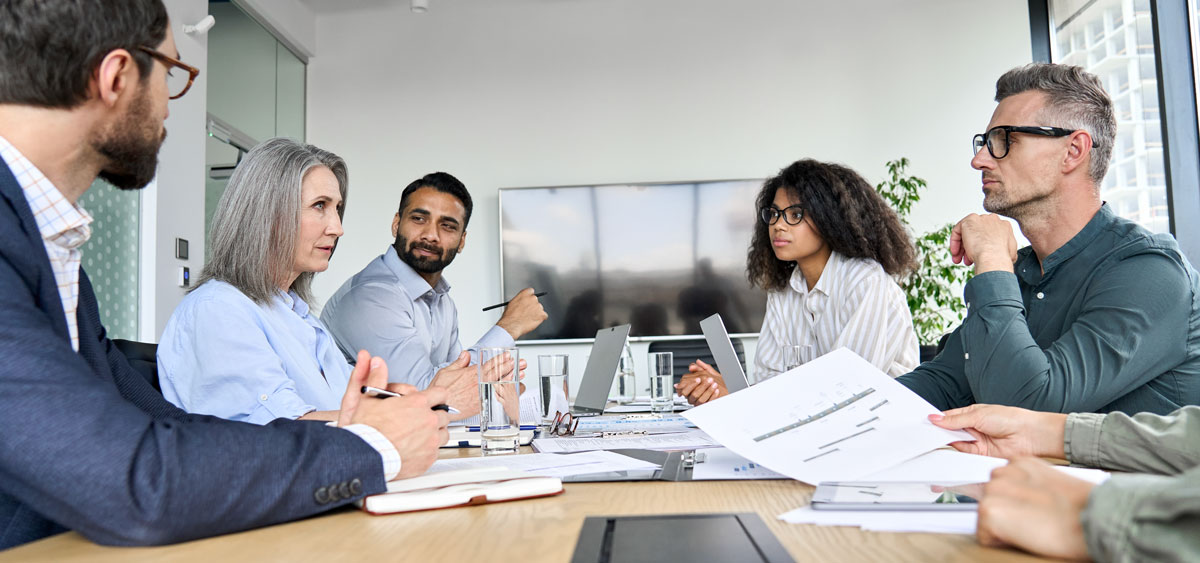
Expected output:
(1097, 314)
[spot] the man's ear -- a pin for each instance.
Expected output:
(115, 76)
(462, 241)
(1078, 152)
(396, 225)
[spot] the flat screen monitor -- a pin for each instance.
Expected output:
(660, 257)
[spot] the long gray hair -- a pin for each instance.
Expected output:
(253, 237)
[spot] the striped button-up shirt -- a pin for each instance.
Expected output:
(64, 228)
(854, 304)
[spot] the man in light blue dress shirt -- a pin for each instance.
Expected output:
(399, 306)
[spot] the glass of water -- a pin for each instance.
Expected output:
(662, 380)
(553, 370)
(796, 355)
(624, 385)
(499, 396)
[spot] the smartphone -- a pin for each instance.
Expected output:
(896, 496)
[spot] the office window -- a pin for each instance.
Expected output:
(1114, 39)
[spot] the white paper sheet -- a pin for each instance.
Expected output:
(836, 418)
(940, 466)
(633, 422)
(550, 465)
(720, 464)
(688, 440)
(943, 522)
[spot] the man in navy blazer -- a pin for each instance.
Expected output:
(88, 444)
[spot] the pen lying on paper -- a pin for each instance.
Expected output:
(498, 305)
(383, 394)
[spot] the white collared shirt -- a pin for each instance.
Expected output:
(854, 304)
(64, 228)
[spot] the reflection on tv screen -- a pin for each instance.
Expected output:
(660, 257)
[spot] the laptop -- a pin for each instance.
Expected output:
(722, 350)
(598, 375)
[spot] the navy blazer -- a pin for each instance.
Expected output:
(87, 444)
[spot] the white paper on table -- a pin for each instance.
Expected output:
(720, 464)
(623, 422)
(688, 440)
(550, 465)
(940, 466)
(836, 418)
(942, 522)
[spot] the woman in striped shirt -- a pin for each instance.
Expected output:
(828, 250)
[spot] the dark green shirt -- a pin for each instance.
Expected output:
(1112, 325)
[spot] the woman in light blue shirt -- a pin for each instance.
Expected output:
(243, 345)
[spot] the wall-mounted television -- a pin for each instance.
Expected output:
(658, 256)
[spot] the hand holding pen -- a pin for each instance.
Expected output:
(522, 314)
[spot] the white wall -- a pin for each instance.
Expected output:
(529, 92)
(173, 206)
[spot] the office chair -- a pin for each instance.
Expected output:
(143, 357)
(687, 351)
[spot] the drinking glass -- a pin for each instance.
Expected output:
(796, 355)
(662, 379)
(624, 385)
(499, 396)
(552, 376)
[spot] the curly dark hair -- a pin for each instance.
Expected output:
(848, 213)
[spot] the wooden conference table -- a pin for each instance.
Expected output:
(529, 531)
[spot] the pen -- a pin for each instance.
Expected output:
(490, 307)
(383, 394)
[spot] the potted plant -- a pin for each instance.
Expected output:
(933, 288)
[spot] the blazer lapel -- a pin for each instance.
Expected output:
(31, 250)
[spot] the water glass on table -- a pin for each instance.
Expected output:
(499, 395)
(553, 370)
(796, 355)
(662, 382)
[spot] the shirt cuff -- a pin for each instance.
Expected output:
(495, 337)
(1113, 510)
(991, 287)
(391, 457)
(1081, 438)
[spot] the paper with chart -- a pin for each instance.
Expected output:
(836, 418)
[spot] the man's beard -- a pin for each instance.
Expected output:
(420, 263)
(131, 147)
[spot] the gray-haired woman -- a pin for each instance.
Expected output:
(243, 345)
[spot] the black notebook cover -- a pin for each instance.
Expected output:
(691, 538)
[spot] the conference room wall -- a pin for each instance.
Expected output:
(535, 93)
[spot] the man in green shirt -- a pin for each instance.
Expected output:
(1097, 314)
(1134, 517)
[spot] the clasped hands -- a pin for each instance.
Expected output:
(1028, 503)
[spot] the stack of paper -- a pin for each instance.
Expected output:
(686, 440)
(550, 465)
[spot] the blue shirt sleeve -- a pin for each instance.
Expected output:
(215, 358)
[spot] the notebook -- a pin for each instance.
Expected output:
(722, 350)
(601, 367)
(466, 487)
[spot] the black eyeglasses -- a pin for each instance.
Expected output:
(792, 215)
(177, 83)
(997, 138)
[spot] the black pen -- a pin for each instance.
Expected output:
(383, 394)
(498, 305)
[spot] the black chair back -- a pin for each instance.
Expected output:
(143, 357)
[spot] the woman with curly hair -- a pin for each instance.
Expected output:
(828, 250)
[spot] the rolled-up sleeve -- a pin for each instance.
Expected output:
(1142, 443)
(1144, 518)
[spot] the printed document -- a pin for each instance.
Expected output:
(836, 418)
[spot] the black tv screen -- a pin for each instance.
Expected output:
(660, 257)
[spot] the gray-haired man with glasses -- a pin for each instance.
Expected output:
(1097, 314)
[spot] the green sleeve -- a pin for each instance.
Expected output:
(1143, 443)
(1144, 518)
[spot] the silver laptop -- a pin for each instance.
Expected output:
(722, 350)
(601, 367)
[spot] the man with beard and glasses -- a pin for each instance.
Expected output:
(89, 444)
(1097, 314)
(399, 306)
